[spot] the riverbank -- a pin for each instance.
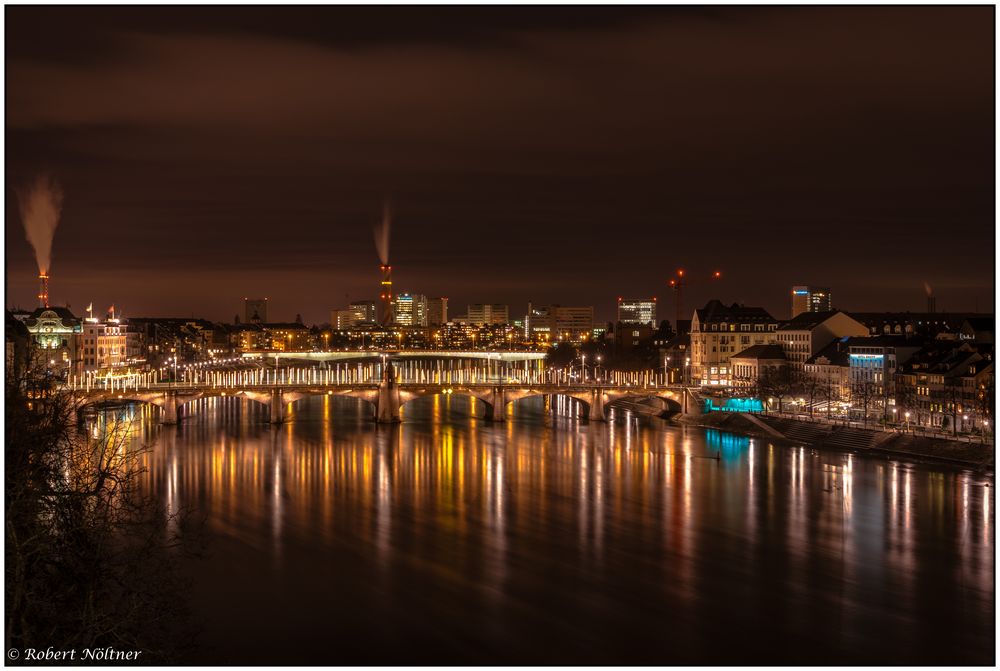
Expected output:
(850, 439)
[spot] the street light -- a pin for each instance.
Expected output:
(907, 420)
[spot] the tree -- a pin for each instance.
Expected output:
(776, 382)
(90, 558)
(906, 397)
(830, 393)
(863, 392)
(812, 387)
(984, 401)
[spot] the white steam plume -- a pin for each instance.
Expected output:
(41, 204)
(382, 235)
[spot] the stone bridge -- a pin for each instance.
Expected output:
(388, 397)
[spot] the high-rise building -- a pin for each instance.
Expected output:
(343, 319)
(637, 310)
(488, 313)
(558, 322)
(811, 299)
(255, 310)
(437, 311)
(364, 311)
(410, 310)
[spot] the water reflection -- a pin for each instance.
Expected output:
(550, 539)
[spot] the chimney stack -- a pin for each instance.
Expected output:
(43, 290)
(385, 296)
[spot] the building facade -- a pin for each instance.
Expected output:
(637, 310)
(56, 333)
(718, 332)
(105, 345)
(809, 332)
(410, 309)
(488, 313)
(872, 364)
(748, 366)
(437, 311)
(947, 385)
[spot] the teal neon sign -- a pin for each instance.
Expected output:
(734, 405)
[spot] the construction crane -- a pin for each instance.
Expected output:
(678, 283)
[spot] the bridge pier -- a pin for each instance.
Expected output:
(498, 403)
(597, 406)
(692, 405)
(387, 407)
(169, 414)
(277, 407)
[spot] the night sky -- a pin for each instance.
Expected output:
(566, 155)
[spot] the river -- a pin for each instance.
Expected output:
(546, 539)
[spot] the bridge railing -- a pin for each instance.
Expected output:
(340, 376)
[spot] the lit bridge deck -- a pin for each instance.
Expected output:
(386, 397)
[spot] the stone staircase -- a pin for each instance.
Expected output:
(847, 438)
(827, 435)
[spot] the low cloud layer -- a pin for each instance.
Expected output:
(608, 150)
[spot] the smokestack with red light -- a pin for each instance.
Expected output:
(385, 296)
(931, 301)
(43, 290)
(385, 316)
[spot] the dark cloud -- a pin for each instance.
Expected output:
(546, 153)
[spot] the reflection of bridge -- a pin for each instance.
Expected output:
(388, 396)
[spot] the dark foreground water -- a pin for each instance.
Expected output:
(550, 540)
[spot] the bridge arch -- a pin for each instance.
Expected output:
(289, 399)
(584, 398)
(667, 404)
(478, 398)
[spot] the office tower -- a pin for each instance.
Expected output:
(637, 310)
(811, 299)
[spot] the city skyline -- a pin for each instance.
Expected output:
(181, 199)
(500, 335)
